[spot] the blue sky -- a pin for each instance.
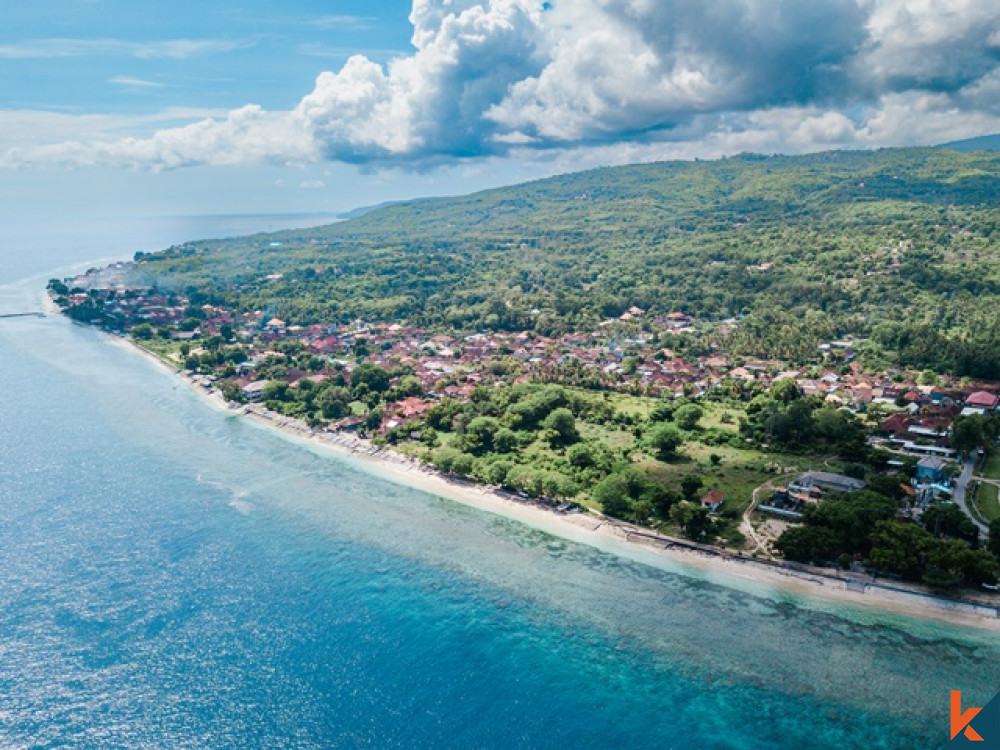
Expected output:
(111, 107)
(150, 65)
(109, 56)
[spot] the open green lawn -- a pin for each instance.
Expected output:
(725, 416)
(991, 468)
(986, 501)
(163, 347)
(638, 405)
(736, 475)
(610, 435)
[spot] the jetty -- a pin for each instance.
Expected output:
(37, 314)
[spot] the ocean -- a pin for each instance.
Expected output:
(172, 576)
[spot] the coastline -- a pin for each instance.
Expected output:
(814, 587)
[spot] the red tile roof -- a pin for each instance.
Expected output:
(982, 399)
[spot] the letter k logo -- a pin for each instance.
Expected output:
(960, 721)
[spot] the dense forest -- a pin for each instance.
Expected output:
(898, 248)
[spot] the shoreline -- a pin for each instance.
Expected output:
(815, 586)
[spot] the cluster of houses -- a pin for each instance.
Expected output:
(624, 353)
(931, 482)
(925, 424)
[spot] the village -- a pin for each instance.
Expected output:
(619, 355)
(255, 358)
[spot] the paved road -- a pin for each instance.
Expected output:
(959, 495)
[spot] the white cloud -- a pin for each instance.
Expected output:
(934, 44)
(246, 135)
(312, 184)
(681, 77)
(327, 23)
(176, 49)
(26, 129)
(130, 82)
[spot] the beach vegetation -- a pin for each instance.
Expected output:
(694, 520)
(994, 538)
(372, 376)
(942, 552)
(664, 440)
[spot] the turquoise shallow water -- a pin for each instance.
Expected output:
(171, 576)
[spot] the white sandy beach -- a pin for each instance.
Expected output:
(608, 535)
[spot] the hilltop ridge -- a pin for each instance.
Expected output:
(898, 245)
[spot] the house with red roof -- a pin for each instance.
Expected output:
(896, 424)
(983, 400)
(712, 500)
(409, 407)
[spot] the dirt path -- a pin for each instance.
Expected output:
(746, 528)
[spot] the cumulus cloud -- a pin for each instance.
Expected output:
(245, 135)
(935, 45)
(641, 66)
(491, 77)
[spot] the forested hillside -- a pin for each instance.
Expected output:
(899, 247)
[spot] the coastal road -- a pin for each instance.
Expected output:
(961, 484)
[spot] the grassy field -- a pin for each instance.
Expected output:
(636, 405)
(986, 501)
(735, 472)
(611, 436)
(725, 416)
(166, 348)
(991, 469)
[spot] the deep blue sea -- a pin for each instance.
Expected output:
(173, 577)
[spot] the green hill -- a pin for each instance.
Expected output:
(982, 143)
(897, 245)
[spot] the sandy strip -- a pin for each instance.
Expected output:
(616, 537)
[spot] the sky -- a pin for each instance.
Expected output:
(111, 107)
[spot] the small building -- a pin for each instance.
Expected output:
(254, 392)
(410, 408)
(348, 424)
(826, 481)
(930, 469)
(712, 500)
(897, 424)
(983, 400)
(908, 446)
